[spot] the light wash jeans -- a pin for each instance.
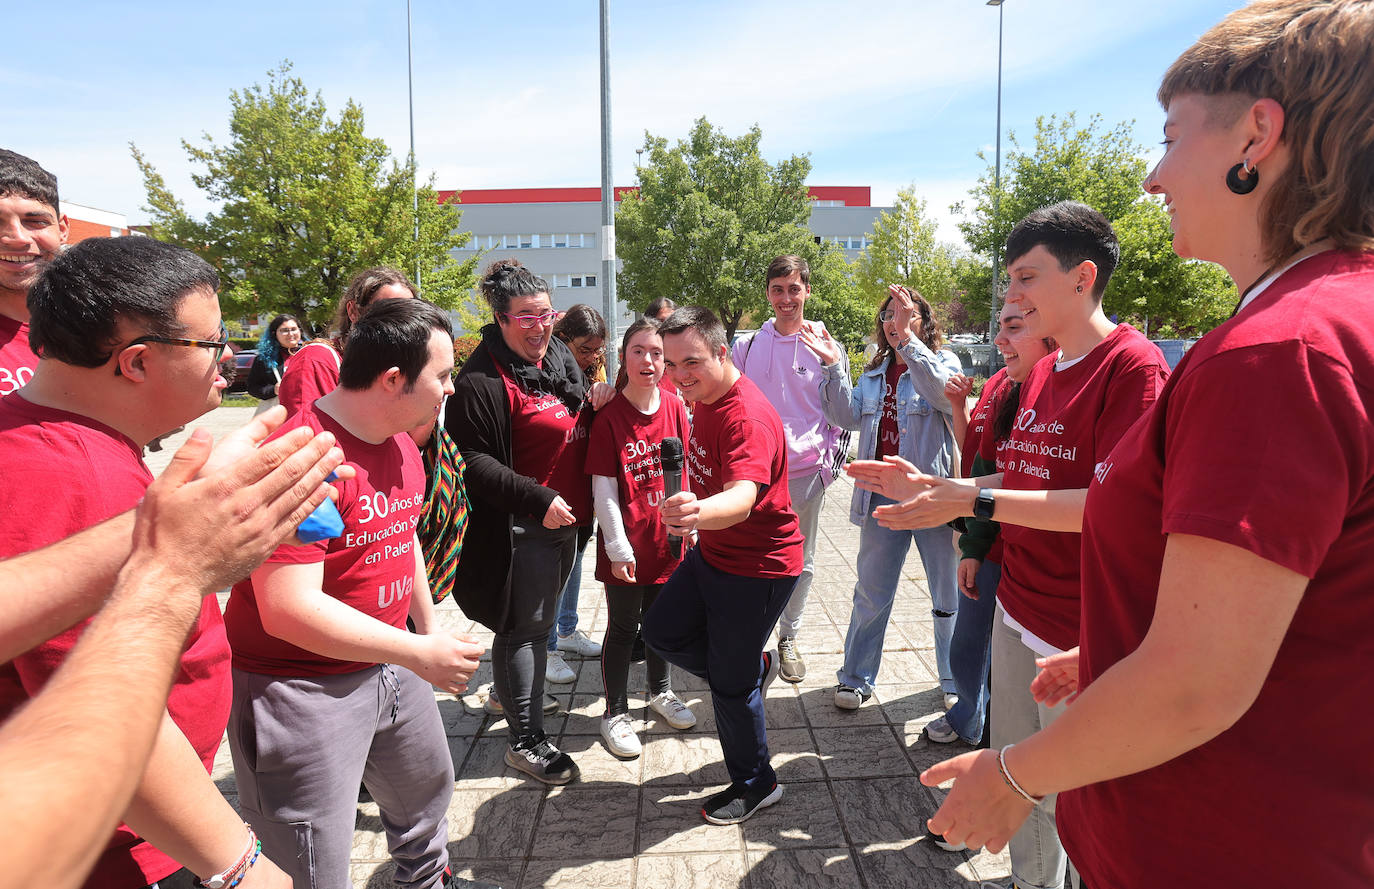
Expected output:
(1038, 859)
(807, 496)
(567, 602)
(971, 654)
(881, 554)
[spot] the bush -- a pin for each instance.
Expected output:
(463, 347)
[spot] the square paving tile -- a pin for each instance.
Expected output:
(708, 871)
(492, 823)
(579, 822)
(580, 874)
(802, 868)
(679, 759)
(805, 817)
(882, 810)
(670, 821)
(862, 752)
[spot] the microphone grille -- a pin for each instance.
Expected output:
(670, 453)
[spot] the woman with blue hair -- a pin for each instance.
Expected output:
(278, 342)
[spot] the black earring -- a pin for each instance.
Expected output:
(1239, 185)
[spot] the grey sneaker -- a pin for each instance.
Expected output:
(849, 698)
(537, 757)
(793, 667)
(673, 711)
(940, 731)
(557, 670)
(738, 803)
(579, 643)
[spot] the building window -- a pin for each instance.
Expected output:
(589, 239)
(560, 240)
(590, 280)
(576, 281)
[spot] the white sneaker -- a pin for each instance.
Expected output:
(619, 735)
(557, 669)
(673, 711)
(579, 643)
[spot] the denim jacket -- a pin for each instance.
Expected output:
(926, 431)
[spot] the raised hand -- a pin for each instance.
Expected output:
(826, 349)
(958, 390)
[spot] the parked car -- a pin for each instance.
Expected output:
(966, 339)
(243, 362)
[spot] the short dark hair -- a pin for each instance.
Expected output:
(505, 280)
(20, 175)
(76, 304)
(362, 287)
(1072, 233)
(579, 321)
(658, 305)
(784, 265)
(391, 333)
(700, 319)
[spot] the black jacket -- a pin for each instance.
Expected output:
(479, 421)
(262, 383)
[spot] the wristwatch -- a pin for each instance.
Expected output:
(984, 504)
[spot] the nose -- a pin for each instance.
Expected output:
(1150, 185)
(448, 386)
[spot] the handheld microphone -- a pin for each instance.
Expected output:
(670, 459)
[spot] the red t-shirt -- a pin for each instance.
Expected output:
(978, 437)
(624, 445)
(370, 567)
(739, 437)
(310, 373)
(1067, 423)
(1262, 440)
(549, 444)
(65, 473)
(17, 360)
(889, 433)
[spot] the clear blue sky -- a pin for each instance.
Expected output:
(506, 95)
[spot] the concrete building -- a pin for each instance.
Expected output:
(556, 232)
(87, 222)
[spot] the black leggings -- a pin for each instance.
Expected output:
(625, 607)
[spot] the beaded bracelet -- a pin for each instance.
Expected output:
(222, 880)
(1011, 782)
(257, 850)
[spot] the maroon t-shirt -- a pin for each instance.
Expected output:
(1068, 422)
(65, 473)
(889, 432)
(1263, 440)
(624, 445)
(17, 360)
(549, 444)
(978, 437)
(739, 437)
(370, 567)
(310, 373)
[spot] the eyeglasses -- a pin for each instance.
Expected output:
(527, 322)
(887, 315)
(589, 353)
(218, 345)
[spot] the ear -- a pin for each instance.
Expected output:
(130, 363)
(1085, 276)
(723, 354)
(352, 311)
(1263, 129)
(62, 228)
(392, 381)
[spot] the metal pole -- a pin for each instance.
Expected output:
(607, 199)
(997, 188)
(414, 171)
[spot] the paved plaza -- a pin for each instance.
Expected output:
(852, 814)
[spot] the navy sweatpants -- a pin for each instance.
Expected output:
(714, 625)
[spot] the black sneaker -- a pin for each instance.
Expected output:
(937, 839)
(739, 802)
(449, 881)
(537, 757)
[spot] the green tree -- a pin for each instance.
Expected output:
(1153, 288)
(304, 200)
(904, 250)
(709, 215)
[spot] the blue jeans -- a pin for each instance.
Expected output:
(713, 625)
(881, 554)
(970, 656)
(567, 599)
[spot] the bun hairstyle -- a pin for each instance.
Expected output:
(505, 279)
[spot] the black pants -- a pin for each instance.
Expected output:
(625, 608)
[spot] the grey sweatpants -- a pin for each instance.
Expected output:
(302, 746)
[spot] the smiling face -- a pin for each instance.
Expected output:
(699, 372)
(531, 344)
(1191, 176)
(788, 295)
(588, 352)
(419, 405)
(289, 335)
(31, 233)
(1020, 351)
(643, 360)
(1049, 299)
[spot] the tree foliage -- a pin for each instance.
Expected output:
(709, 215)
(904, 250)
(305, 200)
(1153, 288)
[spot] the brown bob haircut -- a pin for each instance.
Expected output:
(1313, 57)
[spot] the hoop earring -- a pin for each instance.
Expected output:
(1239, 185)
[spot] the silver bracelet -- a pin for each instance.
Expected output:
(1011, 782)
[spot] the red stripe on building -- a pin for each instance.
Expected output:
(852, 195)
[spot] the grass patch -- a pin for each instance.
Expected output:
(239, 399)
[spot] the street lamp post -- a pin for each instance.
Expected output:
(414, 170)
(608, 308)
(996, 182)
